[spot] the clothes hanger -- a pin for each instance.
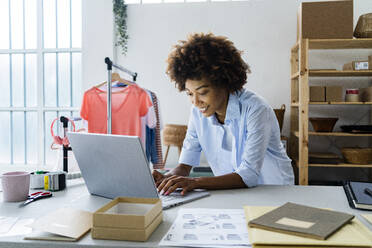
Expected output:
(120, 82)
(115, 77)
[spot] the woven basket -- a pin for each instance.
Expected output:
(357, 155)
(323, 124)
(174, 134)
(363, 28)
(280, 115)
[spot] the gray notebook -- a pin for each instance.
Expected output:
(302, 221)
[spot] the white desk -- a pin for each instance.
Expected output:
(77, 196)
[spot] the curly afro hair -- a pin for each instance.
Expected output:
(208, 57)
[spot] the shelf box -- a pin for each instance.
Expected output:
(365, 94)
(334, 93)
(325, 20)
(317, 94)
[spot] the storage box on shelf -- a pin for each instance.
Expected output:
(334, 93)
(325, 20)
(300, 99)
(365, 94)
(357, 65)
(317, 94)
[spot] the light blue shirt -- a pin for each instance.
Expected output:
(248, 143)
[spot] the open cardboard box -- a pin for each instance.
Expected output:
(126, 218)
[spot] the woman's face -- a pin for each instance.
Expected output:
(209, 100)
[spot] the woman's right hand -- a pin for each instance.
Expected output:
(158, 177)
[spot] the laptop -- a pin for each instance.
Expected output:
(116, 165)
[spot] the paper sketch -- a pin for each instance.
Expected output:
(208, 227)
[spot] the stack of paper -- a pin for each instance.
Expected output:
(199, 227)
(354, 234)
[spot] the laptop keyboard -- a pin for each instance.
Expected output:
(171, 197)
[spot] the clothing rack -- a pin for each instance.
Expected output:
(110, 64)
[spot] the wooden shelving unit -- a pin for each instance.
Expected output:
(340, 134)
(334, 73)
(300, 74)
(296, 104)
(339, 165)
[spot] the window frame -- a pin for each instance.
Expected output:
(40, 108)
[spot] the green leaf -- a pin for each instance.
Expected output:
(120, 12)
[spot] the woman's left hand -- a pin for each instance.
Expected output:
(170, 184)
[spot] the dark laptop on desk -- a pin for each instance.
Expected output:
(116, 165)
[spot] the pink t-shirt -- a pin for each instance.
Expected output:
(127, 106)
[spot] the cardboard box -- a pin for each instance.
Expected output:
(348, 67)
(357, 65)
(334, 93)
(370, 62)
(127, 218)
(127, 212)
(365, 94)
(360, 65)
(127, 233)
(317, 94)
(325, 20)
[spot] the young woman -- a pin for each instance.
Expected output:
(235, 128)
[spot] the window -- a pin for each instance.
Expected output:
(40, 75)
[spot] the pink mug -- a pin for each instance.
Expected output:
(16, 186)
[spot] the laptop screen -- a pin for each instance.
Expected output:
(113, 165)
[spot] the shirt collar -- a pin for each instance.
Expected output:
(232, 110)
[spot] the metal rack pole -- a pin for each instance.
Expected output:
(133, 74)
(109, 69)
(109, 87)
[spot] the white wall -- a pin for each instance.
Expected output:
(264, 29)
(97, 40)
(256, 27)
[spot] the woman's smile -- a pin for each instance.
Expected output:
(203, 110)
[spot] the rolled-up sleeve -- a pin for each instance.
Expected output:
(191, 149)
(258, 129)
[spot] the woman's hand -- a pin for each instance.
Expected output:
(158, 177)
(170, 184)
